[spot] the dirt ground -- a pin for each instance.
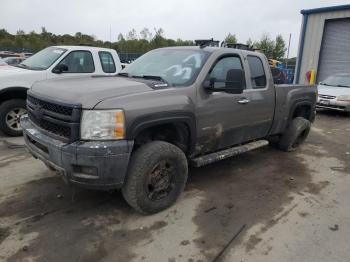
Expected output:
(265, 205)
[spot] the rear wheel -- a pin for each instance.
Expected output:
(156, 177)
(295, 135)
(10, 114)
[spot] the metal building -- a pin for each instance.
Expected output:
(324, 44)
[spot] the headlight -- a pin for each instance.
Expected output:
(102, 125)
(344, 98)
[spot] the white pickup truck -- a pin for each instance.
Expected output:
(51, 62)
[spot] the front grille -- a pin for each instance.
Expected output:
(59, 120)
(326, 96)
(64, 110)
(331, 106)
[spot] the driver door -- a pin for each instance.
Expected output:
(221, 118)
(78, 63)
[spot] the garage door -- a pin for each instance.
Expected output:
(335, 48)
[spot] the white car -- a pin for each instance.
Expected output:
(14, 60)
(51, 62)
(334, 93)
(2, 62)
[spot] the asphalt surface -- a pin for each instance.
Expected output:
(264, 205)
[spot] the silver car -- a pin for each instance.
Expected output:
(334, 93)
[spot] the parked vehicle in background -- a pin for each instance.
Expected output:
(334, 93)
(139, 130)
(51, 62)
(278, 75)
(2, 62)
(12, 61)
(26, 55)
(281, 73)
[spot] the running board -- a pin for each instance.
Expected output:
(233, 151)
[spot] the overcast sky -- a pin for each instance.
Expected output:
(185, 19)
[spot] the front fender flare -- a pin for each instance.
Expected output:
(146, 121)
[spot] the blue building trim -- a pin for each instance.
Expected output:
(325, 9)
(301, 48)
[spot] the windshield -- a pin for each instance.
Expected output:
(337, 80)
(43, 59)
(177, 67)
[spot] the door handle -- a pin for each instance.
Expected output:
(243, 101)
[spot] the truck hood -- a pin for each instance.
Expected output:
(12, 70)
(88, 91)
(11, 76)
(333, 90)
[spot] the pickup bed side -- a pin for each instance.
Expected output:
(293, 101)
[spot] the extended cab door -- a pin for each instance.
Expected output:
(222, 118)
(260, 93)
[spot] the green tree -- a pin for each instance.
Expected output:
(132, 35)
(230, 39)
(250, 42)
(146, 34)
(266, 44)
(120, 37)
(280, 48)
(20, 32)
(274, 49)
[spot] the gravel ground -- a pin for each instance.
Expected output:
(264, 205)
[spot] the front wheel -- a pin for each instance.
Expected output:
(295, 135)
(10, 113)
(156, 177)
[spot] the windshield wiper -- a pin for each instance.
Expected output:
(21, 65)
(123, 74)
(152, 77)
(342, 86)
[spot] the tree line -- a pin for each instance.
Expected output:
(132, 42)
(272, 48)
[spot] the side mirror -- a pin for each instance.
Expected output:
(60, 68)
(234, 81)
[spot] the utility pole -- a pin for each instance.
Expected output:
(110, 36)
(290, 37)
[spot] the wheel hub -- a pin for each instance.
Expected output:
(13, 118)
(161, 181)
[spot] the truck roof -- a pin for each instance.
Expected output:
(213, 49)
(82, 47)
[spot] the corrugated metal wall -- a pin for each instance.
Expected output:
(313, 40)
(335, 48)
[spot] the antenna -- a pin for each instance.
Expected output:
(110, 36)
(290, 37)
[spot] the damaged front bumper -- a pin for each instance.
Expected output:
(91, 164)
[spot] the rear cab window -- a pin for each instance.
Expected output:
(107, 62)
(257, 72)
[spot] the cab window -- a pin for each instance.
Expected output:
(107, 62)
(219, 71)
(257, 72)
(79, 62)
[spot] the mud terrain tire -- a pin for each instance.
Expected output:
(156, 177)
(295, 135)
